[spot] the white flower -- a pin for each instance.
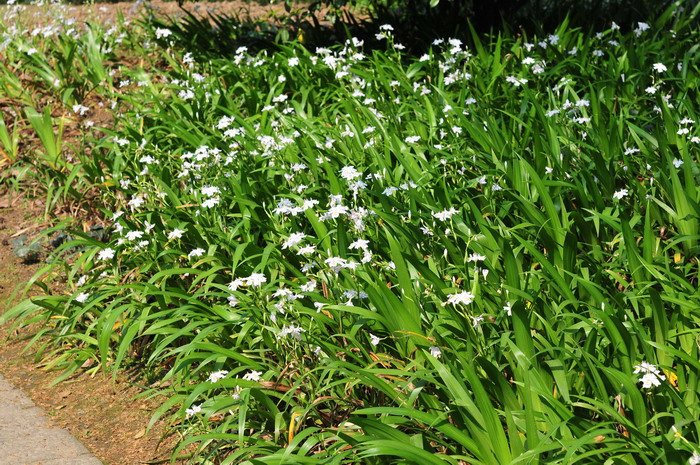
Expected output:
(620, 194)
(186, 94)
(349, 173)
(252, 376)
(235, 284)
(255, 280)
(516, 81)
(292, 331)
(217, 375)
(133, 235)
(280, 98)
(82, 297)
(210, 191)
(435, 351)
(318, 306)
(80, 109)
(463, 297)
(335, 262)
(198, 252)
(652, 375)
(695, 459)
(106, 254)
(445, 214)
(359, 244)
(135, 202)
(306, 250)
(475, 257)
(659, 67)
(507, 308)
(650, 380)
(162, 33)
(175, 234)
(337, 210)
(645, 367)
(677, 163)
(374, 340)
(412, 139)
(294, 239)
(193, 410)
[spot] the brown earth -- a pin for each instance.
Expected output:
(104, 415)
(34, 16)
(16, 216)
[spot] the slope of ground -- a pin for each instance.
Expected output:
(103, 414)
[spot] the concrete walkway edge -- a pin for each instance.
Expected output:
(28, 437)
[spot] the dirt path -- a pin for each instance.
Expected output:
(102, 414)
(27, 436)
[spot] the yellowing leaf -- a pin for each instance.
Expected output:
(672, 378)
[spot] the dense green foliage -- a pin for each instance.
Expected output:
(483, 255)
(418, 22)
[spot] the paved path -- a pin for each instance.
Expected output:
(27, 436)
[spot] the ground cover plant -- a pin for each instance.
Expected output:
(487, 254)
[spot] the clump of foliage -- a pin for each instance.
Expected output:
(484, 254)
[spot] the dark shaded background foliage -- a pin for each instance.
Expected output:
(422, 19)
(416, 22)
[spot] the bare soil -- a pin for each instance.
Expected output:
(17, 216)
(104, 415)
(106, 13)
